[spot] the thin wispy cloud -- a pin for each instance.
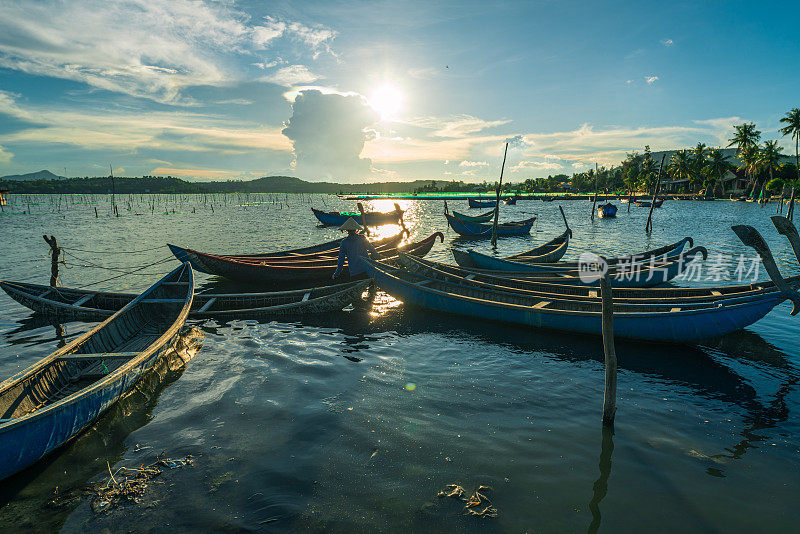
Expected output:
(291, 75)
(667, 42)
(651, 79)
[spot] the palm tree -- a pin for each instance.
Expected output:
(749, 158)
(769, 157)
(679, 166)
(717, 165)
(792, 120)
(698, 161)
(745, 138)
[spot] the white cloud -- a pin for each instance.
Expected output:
(291, 75)
(667, 42)
(467, 163)
(5, 155)
(533, 165)
(651, 79)
(456, 126)
(145, 48)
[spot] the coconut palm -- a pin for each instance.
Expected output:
(698, 161)
(769, 157)
(745, 139)
(680, 167)
(792, 121)
(717, 165)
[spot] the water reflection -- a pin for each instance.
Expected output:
(600, 486)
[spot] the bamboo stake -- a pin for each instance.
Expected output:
(55, 251)
(648, 227)
(497, 203)
(594, 202)
(610, 394)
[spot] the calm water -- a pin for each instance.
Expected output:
(354, 421)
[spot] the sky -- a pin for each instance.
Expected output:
(354, 91)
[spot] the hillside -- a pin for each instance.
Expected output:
(31, 176)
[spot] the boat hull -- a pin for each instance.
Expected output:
(374, 218)
(485, 230)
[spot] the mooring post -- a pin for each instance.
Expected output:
(55, 252)
(594, 200)
(649, 226)
(610, 394)
(363, 218)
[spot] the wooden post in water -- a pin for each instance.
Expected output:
(610, 395)
(363, 218)
(594, 202)
(649, 226)
(55, 251)
(497, 203)
(790, 211)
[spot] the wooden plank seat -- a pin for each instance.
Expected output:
(98, 356)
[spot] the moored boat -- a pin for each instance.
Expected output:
(549, 252)
(87, 305)
(607, 211)
(478, 203)
(374, 218)
(657, 323)
(482, 218)
(485, 230)
(648, 203)
(50, 402)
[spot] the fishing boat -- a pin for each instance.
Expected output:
(65, 303)
(549, 252)
(510, 201)
(547, 199)
(607, 211)
(329, 251)
(483, 218)
(664, 323)
(641, 274)
(485, 230)
(50, 402)
(478, 203)
(288, 270)
(374, 218)
(648, 203)
(659, 295)
(485, 261)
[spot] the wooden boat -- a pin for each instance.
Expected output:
(478, 203)
(648, 203)
(50, 402)
(510, 201)
(659, 269)
(512, 263)
(607, 211)
(549, 252)
(86, 305)
(482, 218)
(485, 230)
(374, 218)
(548, 199)
(329, 250)
(449, 273)
(624, 200)
(657, 323)
(269, 271)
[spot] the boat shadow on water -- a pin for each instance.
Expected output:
(43, 496)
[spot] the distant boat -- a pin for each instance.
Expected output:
(510, 201)
(53, 400)
(549, 252)
(648, 203)
(477, 203)
(484, 217)
(607, 211)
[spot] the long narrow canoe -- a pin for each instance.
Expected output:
(331, 252)
(482, 218)
(483, 261)
(374, 218)
(549, 252)
(648, 203)
(86, 305)
(311, 271)
(485, 230)
(667, 323)
(663, 295)
(477, 203)
(50, 402)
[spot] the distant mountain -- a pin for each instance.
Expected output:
(40, 175)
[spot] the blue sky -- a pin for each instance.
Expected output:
(373, 91)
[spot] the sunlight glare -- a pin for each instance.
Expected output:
(387, 100)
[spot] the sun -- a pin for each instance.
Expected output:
(387, 100)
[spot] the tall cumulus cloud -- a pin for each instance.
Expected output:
(328, 132)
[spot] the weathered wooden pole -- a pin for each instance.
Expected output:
(594, 202)
(790, 211)
(610, 394)
(55, 252)
(649, 226)
(497, 203)
(363, 218)
(402, 223)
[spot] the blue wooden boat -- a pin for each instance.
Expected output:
(607, 211)
(510, 201)
(374, 218)
(642, 274)
(52, 401)
(485, 230)
(485, 261)
(549, 252)
(648, 203)
(545, 289)
(656, 323)
(478, 203)
(482, 218)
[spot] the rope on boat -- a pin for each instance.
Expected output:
(89, 263)
(114, 251)
(134, 271)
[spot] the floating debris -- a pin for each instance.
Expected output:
(477, 505)
(128, 484)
